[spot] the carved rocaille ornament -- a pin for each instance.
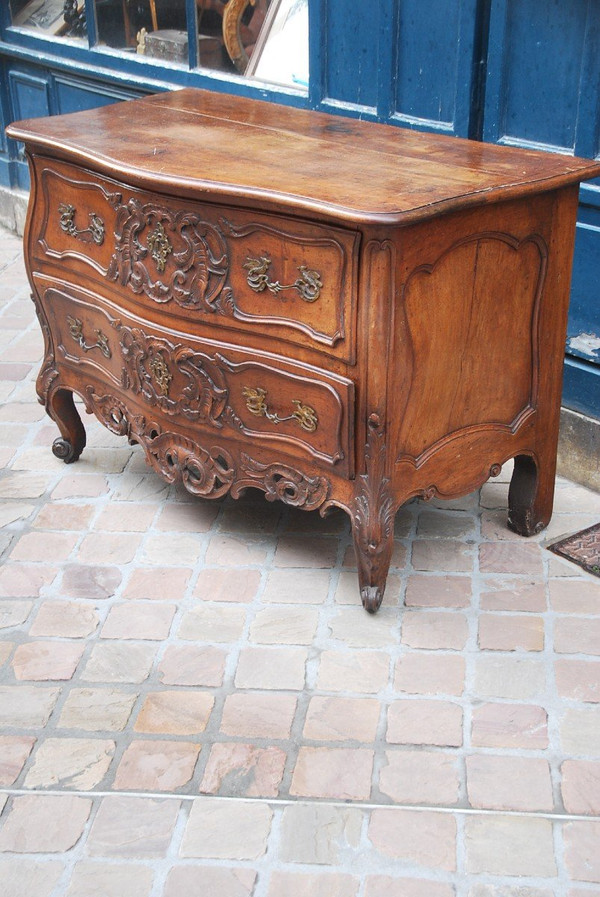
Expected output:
(150, 365)
(209, 472)
(170, 256)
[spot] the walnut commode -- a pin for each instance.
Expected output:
(334, 312)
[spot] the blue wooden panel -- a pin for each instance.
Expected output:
(75, 95)
(409, 62)
(434, 64)
(352, 34)
(583, 338)
(587, 142)
(317, 37)
(536, 54)
(582, 365)
(191, 13)
(30, 98)
(4, 106)
(30, 94)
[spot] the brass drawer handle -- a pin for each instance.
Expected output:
(256, 404)
(94, 232)
(76, 331)
(308, 284)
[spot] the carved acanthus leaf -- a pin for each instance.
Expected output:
(374, 506)
(281, 482)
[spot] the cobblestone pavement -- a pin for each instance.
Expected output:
(192, 700)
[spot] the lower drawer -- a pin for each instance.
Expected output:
(249, 396)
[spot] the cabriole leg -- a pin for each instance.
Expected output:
(372, 514)
(531, 495)
(61, 408)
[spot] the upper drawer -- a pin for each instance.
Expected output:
(291, 279)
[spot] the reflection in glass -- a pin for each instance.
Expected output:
(44, 16)
(155, 28)
(266, 39)
(281, 52)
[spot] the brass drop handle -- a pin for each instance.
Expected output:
(308, 283)
(76, 331)
(95, 231)
(256, 403)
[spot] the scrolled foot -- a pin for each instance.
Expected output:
(71, 442)
(524, 523)
(371, 597)
(63, 449)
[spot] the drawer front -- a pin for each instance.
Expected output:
(77, 218)
(249, 396)
(235, 269)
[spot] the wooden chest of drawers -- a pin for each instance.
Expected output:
(333, 312)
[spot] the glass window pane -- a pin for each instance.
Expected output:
(281, 51)
(49, 18)
(262, 39)
(153, 28)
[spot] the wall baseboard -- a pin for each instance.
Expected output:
(13, 209)
(579, 448)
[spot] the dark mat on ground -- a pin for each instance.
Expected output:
(582, 548)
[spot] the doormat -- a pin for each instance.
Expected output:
(583, 548)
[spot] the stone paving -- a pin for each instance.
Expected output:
(192, 700)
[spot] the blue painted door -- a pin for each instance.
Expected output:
(409, 62)
(519, 72)
(542, 91)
